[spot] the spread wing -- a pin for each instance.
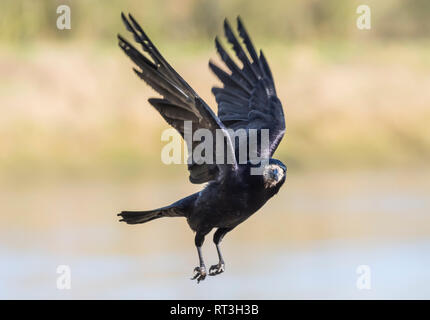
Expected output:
(248, 98)
(180, 102)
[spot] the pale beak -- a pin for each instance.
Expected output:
(274, 174)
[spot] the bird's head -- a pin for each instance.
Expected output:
(274, 173)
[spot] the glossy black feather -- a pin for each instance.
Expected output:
(180, 102)
(259, 102)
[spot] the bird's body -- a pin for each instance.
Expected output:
(247, 102)
(227, 204)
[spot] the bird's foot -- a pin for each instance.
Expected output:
(216, 269)
(199, 274)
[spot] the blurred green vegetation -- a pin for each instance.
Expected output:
(70, 105)
(24, 21)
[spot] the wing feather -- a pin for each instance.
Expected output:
(254, 105)
(179, 103)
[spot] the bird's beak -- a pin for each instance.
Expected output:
(275, 175)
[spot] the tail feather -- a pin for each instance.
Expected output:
(135, 217)
(180, 208)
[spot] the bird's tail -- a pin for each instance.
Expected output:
(135, 217)
(180, 208)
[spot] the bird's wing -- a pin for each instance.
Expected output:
(248, 98)
(180, 102)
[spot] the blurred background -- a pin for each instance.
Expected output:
(79, 143)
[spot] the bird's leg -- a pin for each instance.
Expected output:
(200, 271)
(220, 267)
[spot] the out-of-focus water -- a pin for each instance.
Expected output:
(305, 243)
(324, 270)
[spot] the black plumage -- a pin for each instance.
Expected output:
(246, 101)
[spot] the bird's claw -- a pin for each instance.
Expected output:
(199, 274)
(216, 269)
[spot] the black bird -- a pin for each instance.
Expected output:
(247, 101)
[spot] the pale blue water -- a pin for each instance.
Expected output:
(324, 270)
(375, 219)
